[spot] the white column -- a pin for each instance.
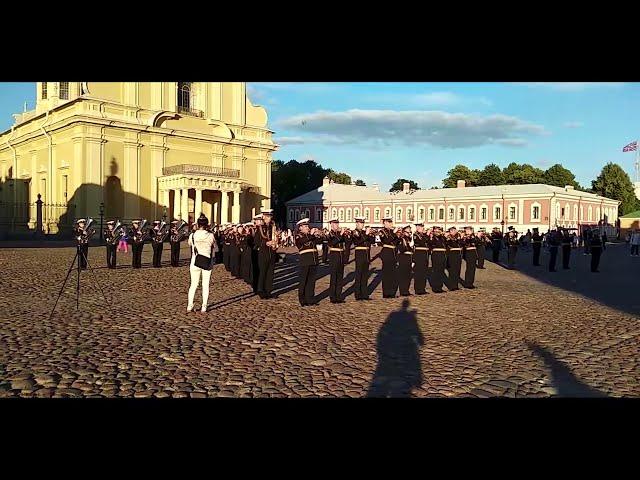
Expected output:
(235, 211)
(176, 205)
(253, 213)
(215, 218)
(224, 212)
(184, 209)
(166, 199)
(198, 204)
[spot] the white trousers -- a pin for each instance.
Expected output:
(195, 280)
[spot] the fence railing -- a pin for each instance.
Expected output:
(37, 216)
(190, 111)
(201, 170)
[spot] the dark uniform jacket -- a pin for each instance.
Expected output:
(306, 245)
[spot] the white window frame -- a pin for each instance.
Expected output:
(442, 210)
(398, 214)
(581, 213)
(532, 216)
(409, 212)
(450, 217)
(498, 206)
(472, 212)
(590, 213)
(515, 217)
(341, 214)
(387, 212)
(575, 212)
(367, 214)
(349, 216)
(334, 213)
(325, 215)
(376, 214)
(464, 213)
(486, 219)
(432, 214)
(598, 216)
(356, 212)
(291, 214)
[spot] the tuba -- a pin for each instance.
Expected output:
(274, 238)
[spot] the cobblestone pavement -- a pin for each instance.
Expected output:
(513, 336)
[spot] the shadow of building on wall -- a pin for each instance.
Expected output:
(18, 218)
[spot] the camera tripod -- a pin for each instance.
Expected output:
(76, 261)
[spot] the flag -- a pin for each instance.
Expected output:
(632, 147)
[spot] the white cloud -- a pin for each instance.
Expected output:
(431, 99)
(573, 124)
(435, 128)
(570, 86)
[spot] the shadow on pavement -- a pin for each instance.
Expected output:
(398, 347)
(562, 379)
(611, 287)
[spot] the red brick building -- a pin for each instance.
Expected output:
(521, 206)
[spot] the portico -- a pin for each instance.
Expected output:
(189, 190)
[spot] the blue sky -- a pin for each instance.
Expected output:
(382, 131)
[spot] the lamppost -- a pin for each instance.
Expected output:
(502, 225)
(101, 218)
(164, 214)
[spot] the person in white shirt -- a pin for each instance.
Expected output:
(202, 242)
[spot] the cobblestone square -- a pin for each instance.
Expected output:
(520, 333)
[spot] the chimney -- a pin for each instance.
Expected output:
(375, 186)
(405, 187)
(461, 184)
(325, 181)
(568, 187)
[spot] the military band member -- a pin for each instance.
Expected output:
(266, 254)
(566, 249)
(217, 236)
(454, 258)
(362, 241)
(470, 244)
(136, 238)
(255, 263)
(177, 235)
(82, 239)
(496, 244)
(226, 250)
(306, 242)
(111, 238)
(536, 239)
(553, 240)
(246, 241)
(325, 247)
(481, 247)
(420, 259)
(596, 247)
(389, 241)
(405, 259)
(438, 249)
(512, 247)
(234, 251)
(336, 240)
(157, 241)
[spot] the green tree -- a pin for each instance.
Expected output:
(361, 183)
(460, 172)
(491, 175)
(339, 177)
(613, 182)
(290, 180)
(515, 174)
(560, 177)
(397, 186)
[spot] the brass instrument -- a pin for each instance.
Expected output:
(112, 237)
(180, 232)
(275, 238)
(161, 235)
(84, 235)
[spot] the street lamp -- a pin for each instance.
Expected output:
(101, 218)
(164, 214)
(502, 225)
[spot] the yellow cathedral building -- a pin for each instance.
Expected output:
(142, 149)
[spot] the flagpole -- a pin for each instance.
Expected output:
(637, 165)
